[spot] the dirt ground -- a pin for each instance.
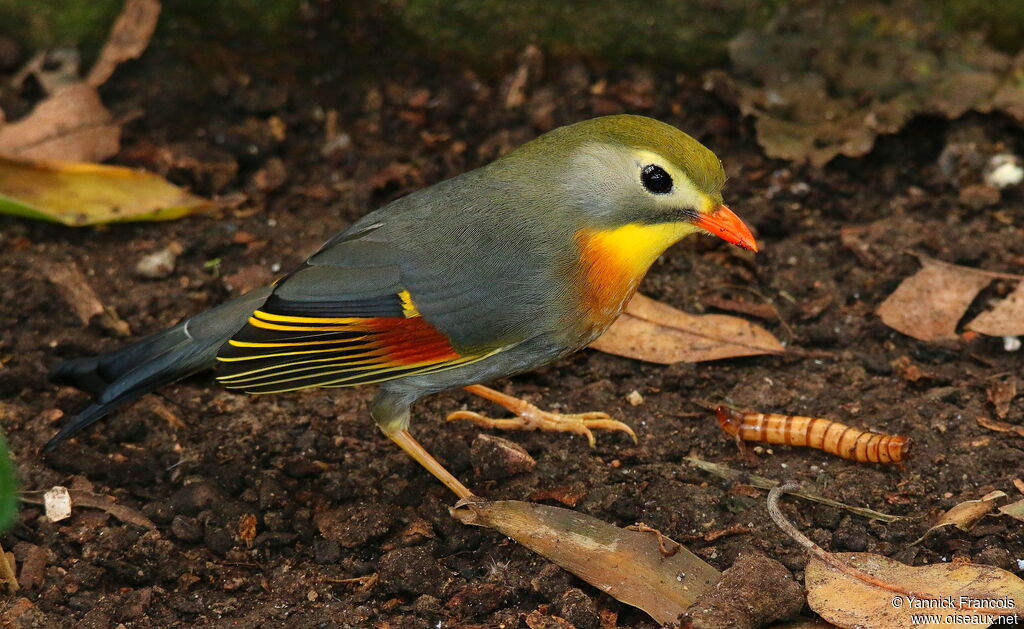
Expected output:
(335, 503)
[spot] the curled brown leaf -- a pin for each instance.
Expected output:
(655, 332)
(628, 565)
(869, 590)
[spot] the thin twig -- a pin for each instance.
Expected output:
(766, 483)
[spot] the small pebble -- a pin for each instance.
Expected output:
(1011, 343)
(979, 196)
(851, 536)
(1004, 170)
(326, 551)
(186, 529)
(427, 605)
(496, 458)
(998, 557)
(416, 571)
(634, 398)
(159, 264)
(218, 540)
(579, 609)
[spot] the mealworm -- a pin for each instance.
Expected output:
(816, 432)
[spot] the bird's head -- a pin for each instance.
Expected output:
(638, 177)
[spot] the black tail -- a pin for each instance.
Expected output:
(126, 374)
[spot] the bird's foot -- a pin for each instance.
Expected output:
(529, 417)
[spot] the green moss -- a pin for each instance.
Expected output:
(683, 34)
(49, 23)
(1002, 21)
(678, 34)
(43, 24)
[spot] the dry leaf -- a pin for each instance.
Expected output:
(1014, 510)
(1000, 394)
(951, 588)
(72, 124)
(79, 295)
(985, 422)
(127, 40)
(107, 503)
(866, 590)
(928, 305)
(627, 565)
(88, 194)
(654, 332)
(966, 514)
(825, 79)
(1005, 319)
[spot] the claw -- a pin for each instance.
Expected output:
(532, 418)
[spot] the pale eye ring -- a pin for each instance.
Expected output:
(655, 179)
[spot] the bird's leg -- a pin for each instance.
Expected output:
(413, 448)
(529, 417)
(392, 417)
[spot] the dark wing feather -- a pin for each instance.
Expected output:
(299, 339)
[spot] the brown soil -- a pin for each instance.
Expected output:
(333, 500)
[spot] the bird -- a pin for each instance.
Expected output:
(494, 272)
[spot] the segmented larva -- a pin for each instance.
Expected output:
(824, 434)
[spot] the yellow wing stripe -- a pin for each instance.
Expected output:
(296, 344)
(351, 376)
(268, 316)
(315, 362)
(259, 323)
(296, 353)
(340, 382)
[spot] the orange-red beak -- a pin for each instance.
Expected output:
(724, 223)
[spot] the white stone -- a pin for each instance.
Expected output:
(57, 502)
(1004, 170)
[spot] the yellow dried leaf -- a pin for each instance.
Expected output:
(87, 194)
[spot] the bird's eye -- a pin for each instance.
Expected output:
(655, 179)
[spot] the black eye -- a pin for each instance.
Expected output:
(655, 179)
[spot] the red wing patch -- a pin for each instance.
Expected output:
(278, 352)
